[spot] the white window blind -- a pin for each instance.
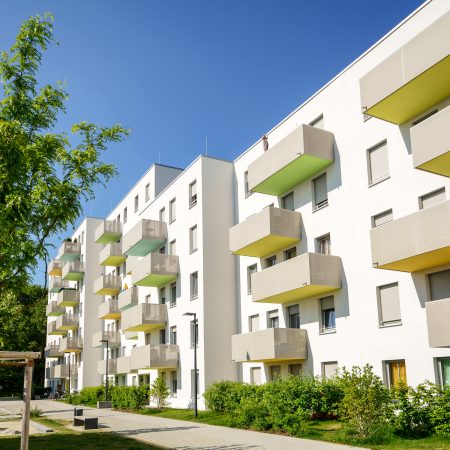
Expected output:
(193, 193)
(255, 375)
(324, 245)
(320, 191)
(439, 285)
(250, 271)
(172, 210)
(193, 238)
(389, 303)
(287, 202)
(382, 218)
(329, 369)
(254, 322)
(378, 163)
(433, 198)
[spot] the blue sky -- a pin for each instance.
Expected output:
(176, 71)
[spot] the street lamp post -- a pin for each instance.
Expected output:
(195, 360)
(69, 371)
(107, 356)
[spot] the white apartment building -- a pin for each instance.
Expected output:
(339, 220)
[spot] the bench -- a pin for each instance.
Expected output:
(77, 411)
(90, 423)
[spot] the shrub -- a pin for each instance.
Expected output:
(130, 397)
(36, 412)
(226, 396)
(366, 401)
(251, 414)
(159, 392)
(440, 413)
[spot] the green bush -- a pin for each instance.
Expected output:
(226, 396)
(87, 395)
(159, 392)
(130, 397)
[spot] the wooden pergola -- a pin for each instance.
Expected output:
(26, 360)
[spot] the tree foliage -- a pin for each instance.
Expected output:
(159, 392)
(44, 178)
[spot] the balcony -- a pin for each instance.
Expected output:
(53, 330)
(112, 367)
(438, 312)
(113, 338)
(107, 285)
(55, 268)
(131, 335)
(128, 298)
(412, 79)
(71, 344)
(266, 232)
(55, 372)
(70, 251)
(415, 242)
(108, 231)
(298, 157)
(68, 297)
(307, 275)
(109, 310)
(53, 309)
(124, 364)
(67, 322)
(73, 270)
(271, 345)
(56, 284)
(430, 143)
(52, 351)
(163, 356)
(155, 270)
(145, 237)
(144, 317)
(111, 255)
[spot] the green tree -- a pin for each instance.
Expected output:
(159, 392)
(44, 178)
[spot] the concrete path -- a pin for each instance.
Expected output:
(178, 434)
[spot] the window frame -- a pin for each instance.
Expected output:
(192, 200)
(191, 239)
(323, 203)
(432, 194)
(382, 213)
(193, 296)
(172, 210)
(371, 181)
(249, 277)
(322, 329)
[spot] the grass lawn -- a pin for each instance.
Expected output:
(67, 439)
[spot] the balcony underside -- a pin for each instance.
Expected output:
(107, 291)
(155, 280)
(110, 316)
(69, 327)
(55, 289)
(72, 349)
(73, 276)
(55, 272)
(144, 247)
(266, 245)
(108, 237)
(416, 96)
(113, 261)
(55, 313)
(58, 332)
(301, 169)
(68, 300)
(131, 335)
(439, 165)
(69, 257)
(146, 327)
(312, 290)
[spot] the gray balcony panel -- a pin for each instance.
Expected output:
(438, 312)
(53, 309)
(163, 356)
(73, 270)
(55, 268)
(144, 317)
(112, 255)
(68, 322)
(145, 237)
(108, 231)
(71, 344)
(56, 284)
(107, 285)
(53, 351)
(109, 310)
(155, 270)
(70, 251)
(53, 330)
(112, 367)
(68, 297)
(128, 298)
(113, 338)
(123, 364)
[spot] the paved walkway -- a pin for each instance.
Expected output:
(178, 434)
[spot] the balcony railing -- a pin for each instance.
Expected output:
(163, 356)
(129, 298)
(112, 255)
(107, 285)
(272, 344)
(113, 337)
(73, 270)
(57, 372)
(70, 251)
(108, 231)
(298, 157)
(145, 237)
(68, 297)
(55, 268)
(144, 317)
(71, 344)
(109, 310)
(68, 322)
(53, 309)
(266, 232)
(123, 364)
(415, 242)
(112, 367)
(438, 312)
(52, 351)
(155, 270)
(53, 330)
(56, 284)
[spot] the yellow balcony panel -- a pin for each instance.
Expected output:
(266, 232)
(307, 275)
(270, 345)
(108, 231)
(109, 310)
(53, 309)
(52, 351)
(144, 317)
(56, 284)
(99, 339)
(411, 80)
(68, 297)
(438, 312)
(298, 157)
(111, 255)
(69, 251)
(145, 237)
(162, 356)
(55, 268)
(131, 335)
(68, 322)
(155, 270)
(73, 270)
(71, 345)
(415, 242)
(112, 367)
(430, 143)
(53, 330)
(128, 298)
(107, 285)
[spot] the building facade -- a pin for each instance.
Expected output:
(339, 223)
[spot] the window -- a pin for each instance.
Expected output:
(443, 365)
(162, 250)
(329, 369)
(194, 333)
(439, 283)
(147, 192)
(275, 372)
(162, 215)
(162, 296)
(317, 122)
(118, 218)
(327, 315)
(147, 338)
(255, 375)
(193, 194)
(172, 210)
(293, 316)
(125, 215)
(173, 247)
(382, 218)
(174, 386)
(395, 372)
(250, 271)
(431, 199)
(388, 304)
(323, 244)
(377, 163)
(271, 261)
(247, 192)
(194, 379)
(162, 336)
(173, 295)
(273, 319)
(253, 323)
(173, 335)
(424, 117)
(147, 298)
(194, 285)
(136, 203)
(295, 370)
(193, 239)
(320, 191)
(290, 253)
(287, 202)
